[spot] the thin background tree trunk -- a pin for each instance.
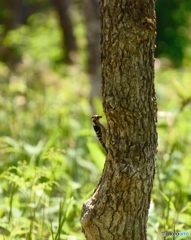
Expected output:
(92, 17)
(118, 208)
(69, 41)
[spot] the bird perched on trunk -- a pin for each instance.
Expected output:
(100, 130)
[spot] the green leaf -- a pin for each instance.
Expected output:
(96, 154)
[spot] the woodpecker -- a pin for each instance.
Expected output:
(100, 130)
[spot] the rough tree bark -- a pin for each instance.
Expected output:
(118, 208)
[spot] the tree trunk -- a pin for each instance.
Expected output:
(118, 208)
(69, 41)
(13, 14)
(91, 10)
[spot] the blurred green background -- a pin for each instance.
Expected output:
(50, 159)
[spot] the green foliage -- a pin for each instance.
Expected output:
(47, 167)
(171, 199)
(173, 26)
(33, 40)
(47, 152)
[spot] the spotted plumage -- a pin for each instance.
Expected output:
(100, 130)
